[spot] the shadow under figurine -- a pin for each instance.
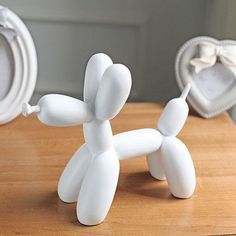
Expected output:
(91, 176)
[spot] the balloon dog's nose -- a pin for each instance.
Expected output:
(27, 109)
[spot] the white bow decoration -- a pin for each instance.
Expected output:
(209, 53)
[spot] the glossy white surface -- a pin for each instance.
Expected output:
(91, 176)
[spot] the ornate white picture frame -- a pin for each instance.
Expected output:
(23, 67)
(210, 66)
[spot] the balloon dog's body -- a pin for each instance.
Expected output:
(91, 176)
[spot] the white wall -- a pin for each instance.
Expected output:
(171, 23)
(143, 34)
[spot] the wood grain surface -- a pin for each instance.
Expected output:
(32, 157)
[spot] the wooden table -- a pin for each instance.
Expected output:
(32, 157)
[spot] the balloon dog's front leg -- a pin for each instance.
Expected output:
(98, 188)
(73, 175)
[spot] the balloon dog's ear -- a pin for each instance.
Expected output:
(113, 91)
(96, 66)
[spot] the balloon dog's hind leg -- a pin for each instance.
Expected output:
(178, 167)
(155, 165)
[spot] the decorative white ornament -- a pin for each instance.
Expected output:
(209, 54)
(91, 176)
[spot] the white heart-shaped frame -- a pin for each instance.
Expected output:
(213, 89)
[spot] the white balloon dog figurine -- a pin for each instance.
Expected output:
(91, 175)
